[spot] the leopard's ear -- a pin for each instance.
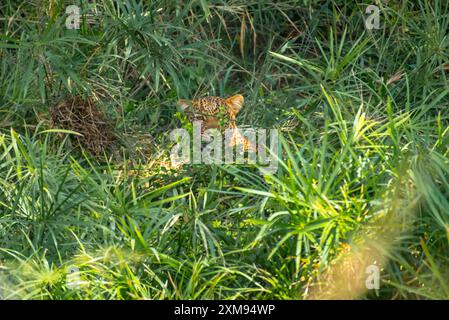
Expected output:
(184, 104)
(235, 102)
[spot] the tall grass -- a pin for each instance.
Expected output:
(362, 175)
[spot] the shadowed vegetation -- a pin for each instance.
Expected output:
(90, 207)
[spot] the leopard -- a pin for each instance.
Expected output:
(217, 113)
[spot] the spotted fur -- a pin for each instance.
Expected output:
(214, 111)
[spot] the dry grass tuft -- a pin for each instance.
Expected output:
(82, 116)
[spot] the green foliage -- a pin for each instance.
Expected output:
(364, 134)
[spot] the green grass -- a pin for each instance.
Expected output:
(364, 135)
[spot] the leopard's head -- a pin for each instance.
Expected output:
(216, 112)
(232, 104)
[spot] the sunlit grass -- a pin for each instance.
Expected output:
(363, 165)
